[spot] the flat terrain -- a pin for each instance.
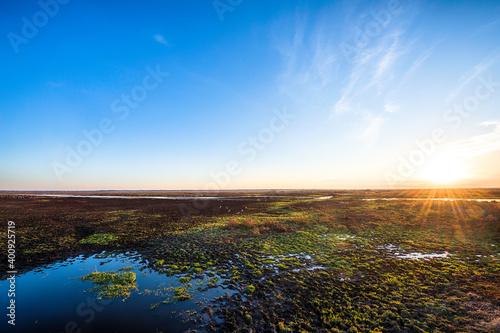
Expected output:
(290, 261)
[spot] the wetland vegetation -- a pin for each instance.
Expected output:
(323, 261)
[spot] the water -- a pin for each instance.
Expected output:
(127, 197)
(247, 197)
(48, 298)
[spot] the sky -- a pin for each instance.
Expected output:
(238, 94)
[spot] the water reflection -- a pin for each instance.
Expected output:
(53, 299)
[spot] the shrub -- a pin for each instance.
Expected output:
(249, 223)
(233, 224)
(276, 227)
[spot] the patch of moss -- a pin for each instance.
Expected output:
(282, 266)
(181, 294)
(250, 289)
(185, 279)
(257, 273)
(99, 239)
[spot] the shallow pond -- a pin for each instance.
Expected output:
(50, 297)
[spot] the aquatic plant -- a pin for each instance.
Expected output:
(180, 294)
(112, 284)
(126, 269)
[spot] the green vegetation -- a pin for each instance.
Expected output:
(111, 284)
(250, 289)
(181, 294)
(299, 265)
(126, 269)
(99, 239)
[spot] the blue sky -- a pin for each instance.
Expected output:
(249, 94)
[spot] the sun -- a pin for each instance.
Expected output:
(444, 171)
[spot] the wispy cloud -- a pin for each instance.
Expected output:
(291, 52)
(323, 63)
(386, 61)
(371, 68)
(378, 67)
(489, 26)
(160, 39)
(310, 62)
(349, 8)
(473, 73)
(419, 61)
(345, 102)
(478, 145)
(314, 62)
(372, 126)
(392, 103)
